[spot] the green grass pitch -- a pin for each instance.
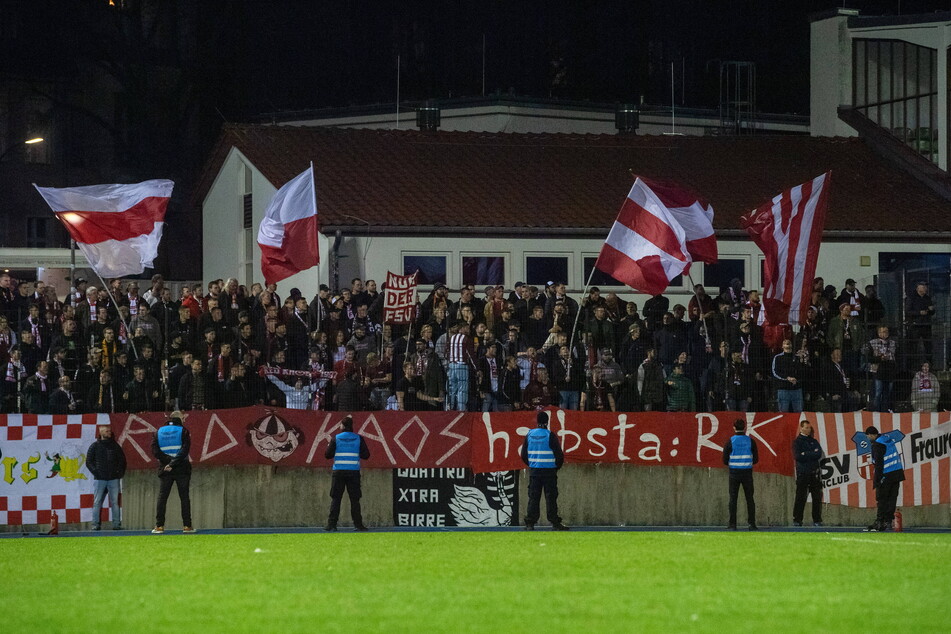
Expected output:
(478, 581)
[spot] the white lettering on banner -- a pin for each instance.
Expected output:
(323, 434)
(754, 426)
(419, 495)
(703, 440)
(420, 519)
(645, 453)
(836, 471)
(451, 474)
(597, 431)
(422, 441)
(622, 426)
(445, 432)
(213, 422)
(128, 433)
(379, 437)
(930, 444)
(493, 436)
(560, 415)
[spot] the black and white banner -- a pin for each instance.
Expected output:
(454, 497)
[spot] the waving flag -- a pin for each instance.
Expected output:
(117, 227)
(788, 230)
(288, 234)
(659, 231)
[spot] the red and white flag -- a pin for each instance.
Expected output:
(788, 230)
(288, 234)
(659, 231)
(399, 306)
(117, 227)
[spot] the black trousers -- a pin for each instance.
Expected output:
(166, 479)
(886, 494)
(546, 481)
(744, 478)
(808, 484)
(349, 481)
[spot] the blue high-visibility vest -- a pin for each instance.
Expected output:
(540, 455)
(741, 456)
(892, 457)
(347, 456)
(170, 439)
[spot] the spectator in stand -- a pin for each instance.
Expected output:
(787, 375)
(611, 371)
(538, 394)
(669, 341)
(182, 367)
(633, 349)
(601, 329)
(883, 366)
(680, 393)
(195, 390)
(925, 390)
(35, 326)
(568, 377)
(651, 379)
(148, 324)
(348, 393)
(873, 310)
(408, 389)
(37, 389)
(836, 383)
(298, 397)
(380, 378)
(847, 334)
(851, 296)
(733, 298)
(62, 400)
(919, 310)
(460, 362)
(139, 395)
(654, 310)
(598, 395)
(700, 304)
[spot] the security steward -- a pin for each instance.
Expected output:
(170, 446)
(544, 457)
(889, 474)
(346, 449)
(807, 452)
(740, 454)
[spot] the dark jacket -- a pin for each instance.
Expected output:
(785, 365)
(728, 449)
(878, 461)
(179, 462)
(332, 449)
(807, 452)
(105, 459)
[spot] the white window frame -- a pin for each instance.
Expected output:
(570, 256)
(506, 263)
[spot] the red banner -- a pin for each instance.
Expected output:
(643, 438)
(399, 306)
(298, 438)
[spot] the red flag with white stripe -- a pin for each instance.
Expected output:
(117, 227)
(288, 234)
(788, 230)
(659, 231)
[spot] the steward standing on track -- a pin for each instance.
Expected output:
(807, 453)
(170, 446)
(889, 474)
(740, 454)
(346, 449)
(544, 457)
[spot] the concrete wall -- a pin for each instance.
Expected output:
(830, 74)
(590, 495)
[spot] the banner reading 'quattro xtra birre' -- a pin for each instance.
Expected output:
(52, 448)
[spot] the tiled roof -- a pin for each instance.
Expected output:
(410, 179)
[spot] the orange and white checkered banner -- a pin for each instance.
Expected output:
(43, 468)
(847, 470)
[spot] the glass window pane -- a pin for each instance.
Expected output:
(540, 269)
(432, 268)
(858, 74)
(872, 75)
(718, 275)
(483, 270)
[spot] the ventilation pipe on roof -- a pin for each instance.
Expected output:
(428, 116)
(626, 118)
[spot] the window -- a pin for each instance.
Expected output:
(38, 232)
(483, 270)
(716, 277)
(246, 211)
(432, 268)
(540, 269)
(603, 279)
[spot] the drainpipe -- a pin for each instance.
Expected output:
(335, 260)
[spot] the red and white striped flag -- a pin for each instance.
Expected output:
(288, 233)
(659, 231)
(788, 230)
(117, 227)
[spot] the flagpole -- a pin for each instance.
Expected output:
(320, 306)
(706, 326)
(571, 341)
(124, 323)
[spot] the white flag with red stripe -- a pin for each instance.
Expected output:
(788, 230)
(117, 227)
(288, 234)
(659, 231)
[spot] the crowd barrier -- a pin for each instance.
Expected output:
(265, 467)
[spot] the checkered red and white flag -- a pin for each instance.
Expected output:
(44, 468)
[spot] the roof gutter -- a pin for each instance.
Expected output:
(602, 232)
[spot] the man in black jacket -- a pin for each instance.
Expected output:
(106, 462)
(170, 446)
(543, 454)
(787, 374)
(807, 453)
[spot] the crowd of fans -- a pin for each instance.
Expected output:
(118, 351)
